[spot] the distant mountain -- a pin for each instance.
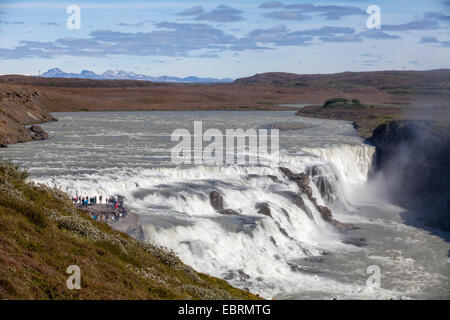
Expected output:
(123, 75)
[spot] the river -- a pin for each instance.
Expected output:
(288, 255)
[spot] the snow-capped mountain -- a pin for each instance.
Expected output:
(123, 75)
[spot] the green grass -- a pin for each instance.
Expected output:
(42, 233)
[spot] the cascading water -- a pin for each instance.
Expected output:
(273, 246)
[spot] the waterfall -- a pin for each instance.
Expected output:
(250, 249)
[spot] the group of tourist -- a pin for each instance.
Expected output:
(87, 201)
(117, 203)
(113, 217)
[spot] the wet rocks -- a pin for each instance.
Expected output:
(236, 274)
(298, 201)
(257, 176)
(313, 171)
(217, 202)
(297, 268)
(326, 213)
(305, 188)
(323, 182)
(315, 259)
(286, 214)
(342, 226)
(37, 133)
(272, 239)
(303, 180)
(228, 212)
(303, 177)
(283, 231)
(274, 178)
(325, 187)
(263, 208)
(359, 242)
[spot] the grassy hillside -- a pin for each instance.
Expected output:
(41, 234)
(408, 82)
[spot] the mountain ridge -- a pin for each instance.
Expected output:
(124, 75)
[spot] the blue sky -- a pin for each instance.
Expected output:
(224, 38)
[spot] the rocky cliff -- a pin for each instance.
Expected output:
(414, 159)
(20, 106)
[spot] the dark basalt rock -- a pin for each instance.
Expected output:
(325, 187)
(296, 268)
(298, 201)
(263, 208)
(322, 182)
(302, 177)
(273, 241)
(274, 178)
(315, 259)
(359, 242)
(236, 274)
(342, 226)
(286, 214)
(325, 213)
(305, 188)
(228, 212)
(283, 231)
(37, 133)
(313, 171)
(302, 181)
(216, 200)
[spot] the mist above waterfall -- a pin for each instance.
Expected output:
(413, 165)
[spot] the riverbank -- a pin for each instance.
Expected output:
(19, 107)
(370, 116)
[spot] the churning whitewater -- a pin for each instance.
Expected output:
(273, 246)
